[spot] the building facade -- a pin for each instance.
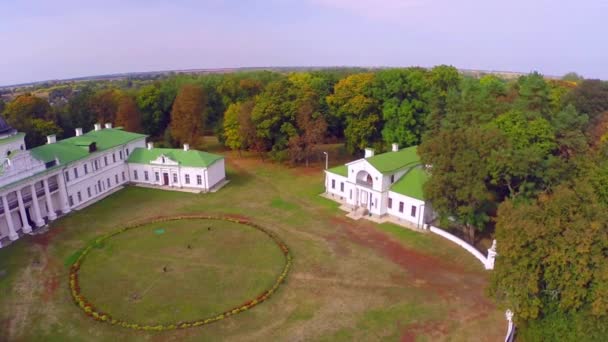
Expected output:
(38, 185)
(385, 184)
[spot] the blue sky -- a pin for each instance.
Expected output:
(57, 39)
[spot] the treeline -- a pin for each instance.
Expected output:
(523, 160)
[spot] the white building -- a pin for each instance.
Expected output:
(38, 185)
(385, 184)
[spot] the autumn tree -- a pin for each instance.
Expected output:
(128, 115)
(312, 129)
(232, 135)
(104, 104)
(187, 114)
(33, 116)
(352, 101)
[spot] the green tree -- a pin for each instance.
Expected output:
(404, 95)
(274, 115)
(533, 94)
(154, 108)
(552, 254)
(458, 186)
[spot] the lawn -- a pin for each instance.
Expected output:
(351, 280)
(176, 271)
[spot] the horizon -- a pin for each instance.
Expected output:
(66, 40)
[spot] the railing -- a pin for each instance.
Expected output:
(488, 262)
(364, 183)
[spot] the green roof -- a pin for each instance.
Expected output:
(192, 158)
(12, 138)
(393, 161)
(341, 170)
(411, 184)
(75, 148)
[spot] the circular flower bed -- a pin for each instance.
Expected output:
(89, 308)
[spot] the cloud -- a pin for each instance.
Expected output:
(375, 9)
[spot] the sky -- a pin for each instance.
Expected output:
(58, 39)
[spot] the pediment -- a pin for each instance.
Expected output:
(164, 160)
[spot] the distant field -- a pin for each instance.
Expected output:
(351, 280)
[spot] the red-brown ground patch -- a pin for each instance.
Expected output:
(448, 281)
(45, 239)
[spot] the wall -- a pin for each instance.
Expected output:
(408, 202)
(462, 244)
(216, 173)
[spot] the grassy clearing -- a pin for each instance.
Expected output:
(339, 288)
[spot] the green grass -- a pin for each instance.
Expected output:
(211, 266)
(338, 288)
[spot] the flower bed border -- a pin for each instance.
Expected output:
(89, 309)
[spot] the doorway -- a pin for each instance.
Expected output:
(165, 178)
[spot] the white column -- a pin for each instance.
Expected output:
(47, 194)
(63, 196)
(26, 226)
(12, 234)
(491, 256)
(38, 218)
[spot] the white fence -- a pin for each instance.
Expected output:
(487, 261)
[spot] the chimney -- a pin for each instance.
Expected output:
(78, 132)
(395, 147)
(150, 145)
(98, 127)
(369, 152)
(108, 125)
(51, 139)
(186, 147)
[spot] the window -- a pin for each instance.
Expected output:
(199, 180)
(113, 158)
(351, 194)
(400, 207)
(127, 151)
(175, 178)
(86, 169)
(187, 179)
(75, 172)
(120, 154)
(135, 174)
(71, 200)
(96, 165)
(390, 203)
(392, 179)
(105, 160)
(146, 175)
(124, 178)
(79, 196)
(89, 192)
(342, 186)
(108, 182)
(67, 176)
(157, 176)
(116, 178)
(333, 183)
(413, 212)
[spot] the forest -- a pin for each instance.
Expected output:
(522, 160)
